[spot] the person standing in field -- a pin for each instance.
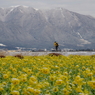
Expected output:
(56, 45)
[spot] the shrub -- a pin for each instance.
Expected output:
(54, 54)
(19, 56)
(92, 56)
(2, 54)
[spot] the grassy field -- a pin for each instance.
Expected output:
(47, 75)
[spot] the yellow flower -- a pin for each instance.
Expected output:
(23, 79)
(78, 89)
(24, 69)
(37, 92)
(59, 82)
(4, 83)
(66, 92)
(14, 70)
(92, 84)
(78, 80)
(33, 78)
(31, 82)
(5, 76)
(25, 92)
(55, 89)
(15, 92)
(46, 84)
(1, 88)
(77, 66)
(90, 74)
(88, 70)
(15, 81)
(3, 64)
(23, 75)
(39, 85)
(65, 73)
(47, 92)
(86, 92)
(83, 67)
(83, 94)
(30, 89)
(52, 77)
(29, 71)
(45, 70)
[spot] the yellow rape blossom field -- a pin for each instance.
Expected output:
(47, 75)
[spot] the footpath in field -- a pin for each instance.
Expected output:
(45, 53)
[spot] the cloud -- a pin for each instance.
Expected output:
(86, 7)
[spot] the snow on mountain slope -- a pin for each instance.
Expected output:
(29, 27)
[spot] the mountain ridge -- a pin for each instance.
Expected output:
(28, 27)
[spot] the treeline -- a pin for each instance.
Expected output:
(85, 50)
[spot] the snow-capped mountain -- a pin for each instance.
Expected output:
(28, 27)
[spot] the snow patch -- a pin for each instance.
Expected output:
(2, 44)
(61, 9)
(36, 9)
(21, 11)
(15, 6)
(80, 35)
(11, 10)
(85, 41)
(62, 14)
(25, 6)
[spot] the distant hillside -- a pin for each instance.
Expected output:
(27, 27)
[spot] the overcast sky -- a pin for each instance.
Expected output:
(86, 7)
